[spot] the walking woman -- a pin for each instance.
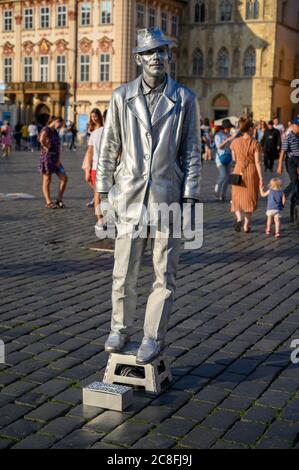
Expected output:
(246, 155)
(50, 162)
(6, 133)
(95, 128)
(223, 140)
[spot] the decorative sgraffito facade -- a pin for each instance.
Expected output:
(65, 57)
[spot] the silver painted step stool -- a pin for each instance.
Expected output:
(150, 376)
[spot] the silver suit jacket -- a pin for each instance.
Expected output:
(146, 158)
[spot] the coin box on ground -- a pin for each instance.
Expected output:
(109, 396)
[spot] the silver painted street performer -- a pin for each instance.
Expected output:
(150, 154)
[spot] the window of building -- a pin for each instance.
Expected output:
(199, 11)
(223, 63)
(197, 63)
(252, 9)
(7, 26)
(106, 12)
(250, 62)
(85, 14)
(226, 10)
(7, 69)
(61, 16)
(45, 17)
(151, 17)
(28, 69)
(60, 68)
(28, 18)
(164, 22)
(284, 11)
(44, 68)
(105, 68)
(84, 68)
(174, 25)
(140, 15)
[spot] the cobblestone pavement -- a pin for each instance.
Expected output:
(229, 339)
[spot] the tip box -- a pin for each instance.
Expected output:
(109, 396)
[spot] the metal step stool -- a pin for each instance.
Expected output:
(150, 376)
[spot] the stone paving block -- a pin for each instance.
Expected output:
(191, 383)
(172, 399)
(11, 413)
(128, 433)
(195, 410)
(47, 412)
(79, 439)
(221, 420)
(266, 443)
(36, 441)
(212, 395)
(175, 427)
(275, 399)
(85, 412)
(106, 422)
(19, 429)
(154, 414)
(245, 432)
(201, 438)
(61, 427)
(236, 403)
(153, 441)
(260, 414)
(285, 431)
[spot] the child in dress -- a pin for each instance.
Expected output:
(276, 203)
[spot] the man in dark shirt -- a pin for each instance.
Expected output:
(290, 147)
(271, 144)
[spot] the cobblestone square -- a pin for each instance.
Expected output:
(229, 343)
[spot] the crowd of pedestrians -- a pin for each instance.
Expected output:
(246, 150)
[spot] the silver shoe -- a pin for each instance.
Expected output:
(116, 341)
(149, 350)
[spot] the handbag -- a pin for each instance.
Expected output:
(235, 179)
(225, 158)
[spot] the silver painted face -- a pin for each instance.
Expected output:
(154, 62)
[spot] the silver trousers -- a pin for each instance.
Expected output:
(128, 257)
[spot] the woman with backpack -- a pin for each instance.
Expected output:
(223, 140)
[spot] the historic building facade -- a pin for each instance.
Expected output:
(240, 56)
(66, 56)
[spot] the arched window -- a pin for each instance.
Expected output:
(252, 9)
(226, 10)
(197, 63)
(200, 11)
(250, 62)
(223, 63)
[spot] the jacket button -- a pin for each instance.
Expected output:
(145, 177)
(148, 135)
(147, 157)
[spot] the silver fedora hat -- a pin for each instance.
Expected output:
(151, 38)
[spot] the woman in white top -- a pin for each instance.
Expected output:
(90, 162)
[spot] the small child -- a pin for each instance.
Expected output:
(276, 203)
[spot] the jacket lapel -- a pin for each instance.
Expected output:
(137, 104)
(166, 102)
